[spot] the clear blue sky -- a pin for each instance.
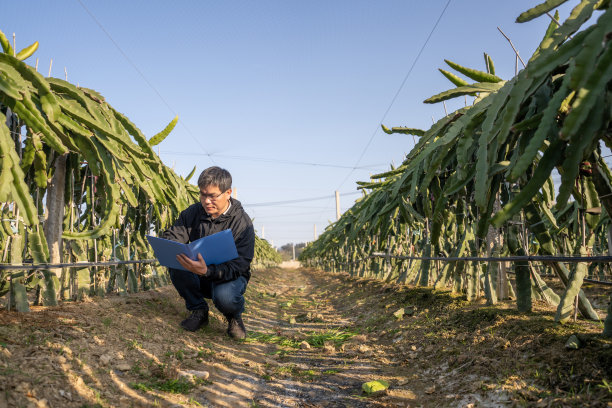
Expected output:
(262, 87)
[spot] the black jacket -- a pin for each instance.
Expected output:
(194, 223)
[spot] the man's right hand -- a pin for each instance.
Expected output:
(198, 267)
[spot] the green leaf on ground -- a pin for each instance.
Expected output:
(374, 386)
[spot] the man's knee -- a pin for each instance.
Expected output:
(228, 297)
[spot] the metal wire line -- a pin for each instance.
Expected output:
(127, 58)
(289, 162)
(397, 93)
(298, 200)
(528, 258)
(72, 265)
(542, 258)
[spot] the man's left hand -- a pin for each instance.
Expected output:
(198, 267)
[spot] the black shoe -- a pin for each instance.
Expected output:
(235, 327)
(197, 319)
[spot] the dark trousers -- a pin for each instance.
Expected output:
(226, 296)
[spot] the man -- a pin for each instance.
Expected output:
(224, 283)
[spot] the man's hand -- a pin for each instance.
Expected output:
(198, 267)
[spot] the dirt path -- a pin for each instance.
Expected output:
(314, 339)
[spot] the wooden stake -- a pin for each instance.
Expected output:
(516, 66)
(337, 205)
(512, 45)
(556, 21)
(50, 66)
(576, 308)
(6, 247)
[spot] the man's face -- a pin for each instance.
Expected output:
(214, 200)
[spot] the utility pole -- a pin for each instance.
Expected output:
(337, 205)
(293, 245)
(315, 232)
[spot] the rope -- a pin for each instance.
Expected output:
(23, 267)
(546, 258)
(543, 258)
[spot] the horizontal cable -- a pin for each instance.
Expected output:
(600, 282)
(550, 258)
(543, 258)
(71, 265)
(299, 200)
(280, 161)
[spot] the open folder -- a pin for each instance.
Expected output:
(215, 249)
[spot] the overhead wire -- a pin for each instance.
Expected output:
(275, 216)
(210, 155)
(272, 160)
(394, 97)
(396, 93)
(300, 200)
(142, 75)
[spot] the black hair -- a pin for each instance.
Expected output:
(215, 176)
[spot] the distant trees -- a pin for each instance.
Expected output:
(286, 250)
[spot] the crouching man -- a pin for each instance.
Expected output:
(224, 283)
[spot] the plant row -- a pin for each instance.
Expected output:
(479, 182)
(78, 182)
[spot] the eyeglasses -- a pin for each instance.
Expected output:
(211, 197)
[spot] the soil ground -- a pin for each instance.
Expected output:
(314, 339)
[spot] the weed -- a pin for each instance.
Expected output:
(280, 353)
(330, 372)
(172, 386)
(336, 336)
(107, 322)
(143, 333)
(307, 374)
(179, 354)
(288, 369)
(605, 385)
(201, 381)
(133, 344)
(314, 339)
(292, 370)
(373, 322)
(137, 368)
(394, 331)
(204, 353)
(271, 339)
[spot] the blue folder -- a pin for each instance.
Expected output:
(215, 249)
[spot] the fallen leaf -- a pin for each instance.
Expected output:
(374, 386)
